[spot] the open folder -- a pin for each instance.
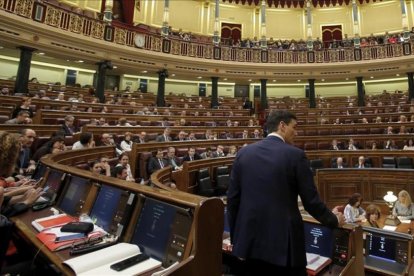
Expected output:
(99, 262)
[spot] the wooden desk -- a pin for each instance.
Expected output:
(202, 251)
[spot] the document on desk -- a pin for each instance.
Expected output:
(56, 240)
(99, 262)
(389, 227)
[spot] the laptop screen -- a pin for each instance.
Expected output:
(74, 195)
(106, 206)
(381, 246)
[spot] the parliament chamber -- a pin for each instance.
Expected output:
(164, 84)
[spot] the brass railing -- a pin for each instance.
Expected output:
(117, 33)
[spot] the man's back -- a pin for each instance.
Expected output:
(266, 179)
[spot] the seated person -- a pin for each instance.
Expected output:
(372, 215)
(120, 172)
(21, 119)
(156, 162)
(85, 141)
(126, 144)
(353, 211)
(339, 163)
(123, 161)
(232, 151)
(172, 159)
(101, 168)
(361, 163)
(404, 207)
(191, 155)
(335, 145)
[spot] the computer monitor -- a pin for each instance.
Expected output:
(52, 185)
(112, 208)
(387, 251)
(381, 247)
(319, 239)
(74, 195)
(162, 230)
(39, 171)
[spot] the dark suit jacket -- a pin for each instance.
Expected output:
(196, 157)
(68, 131)
(154, 165)
(161, 138)
(366, 165)
(262, 202)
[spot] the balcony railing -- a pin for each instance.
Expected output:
(69, 21)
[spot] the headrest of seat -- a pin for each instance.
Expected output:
(222, 170)
(203, 173)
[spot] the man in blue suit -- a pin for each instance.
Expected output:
(267, 177)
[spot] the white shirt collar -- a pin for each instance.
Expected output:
(277, 135)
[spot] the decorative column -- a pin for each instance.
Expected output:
(309, 42)
(166, 19)
(263, 41)
(357, 41)
(214, 92)
(22, 78)
(312, 99)
(263, 94)
(107, 17)
(100, 83)
(361, 92)
(216, 35)
(162, 74)
(404, 21)
(410, 86)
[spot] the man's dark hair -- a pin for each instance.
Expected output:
(354, 199)
(22, 112)
(118, 170)
(85, 137)
(275, 117)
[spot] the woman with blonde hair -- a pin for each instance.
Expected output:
(404, 206)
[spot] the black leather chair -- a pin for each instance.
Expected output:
(404, 162)
(316, 164)
(222, 180)
(389, 162)
(204, 183)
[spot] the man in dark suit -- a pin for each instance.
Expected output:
(68, 126)
(157, 162)
(339, 163)
(361, 163)
(219, 152)
(165, 137)
(266, 227)
(192, 155)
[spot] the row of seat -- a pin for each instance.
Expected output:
(390, 162)
(221, 182)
